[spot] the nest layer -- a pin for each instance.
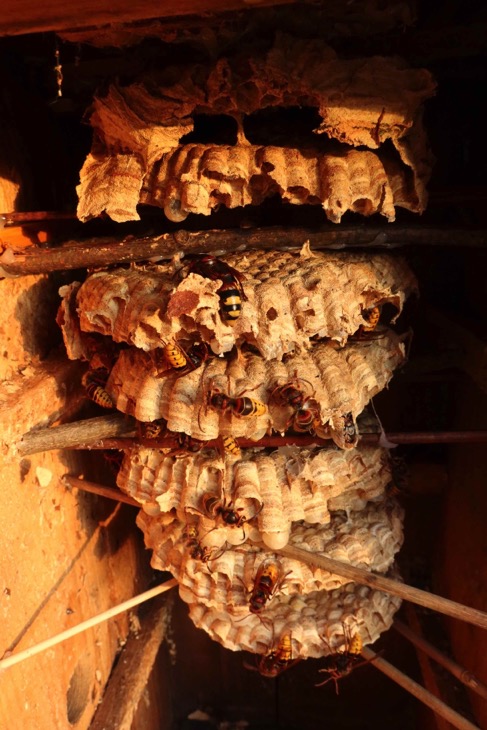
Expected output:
(316, 621)
(368, 539)
(361, 102)
(270, 490)
(200, 178)
(290, 298)
(335, 383)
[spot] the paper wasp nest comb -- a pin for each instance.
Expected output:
(288, 298)
(334, 385)
(218, 575)
(309, 618)
(269, 490)
(197, 178)
(217, 582)
(361, 102)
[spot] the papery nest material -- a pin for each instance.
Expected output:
(315, 621)
(270, 490)
(197, 178)
(368, 539)
(361, 102)
(290, 298)
(335, 386)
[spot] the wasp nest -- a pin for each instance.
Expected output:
(316, 621)
(268, 491)
(218, 581)
(288, 298)
(335, 386)
(360, 102)
(200, 178)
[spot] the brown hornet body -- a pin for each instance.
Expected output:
(342, 663)
(231, 291)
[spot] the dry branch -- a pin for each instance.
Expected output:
(379, 582)
(99, 252)
(463, 675)
(102, 491)
(439, 707)
(85, 625)
(79, 434)
(115, 431)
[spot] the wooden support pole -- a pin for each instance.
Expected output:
(109, 492)
(10, 661)
(430, 680)
(29, 16)
(439, 707)
(388, 585)
(79, 434)
(109, 251)
(463, 675)
(116, 431)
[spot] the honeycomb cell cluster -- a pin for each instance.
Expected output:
(263, 415)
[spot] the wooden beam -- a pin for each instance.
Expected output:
(132, 671)
(463, 675)
(99, 252)
(30, 16)
(439, 707)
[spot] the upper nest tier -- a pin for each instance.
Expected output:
(359, 103)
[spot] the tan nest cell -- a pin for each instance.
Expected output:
(335, 386)
(197, 178)
(290, 297)
(269, 490)
(316, 621)
(225, 576)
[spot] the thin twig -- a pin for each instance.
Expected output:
(439, 707)
(102, 491)
(388, 585)
(84, 625)
(430, 680)
(109, 251)
(463, 675)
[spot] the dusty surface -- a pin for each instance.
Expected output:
(59, 563)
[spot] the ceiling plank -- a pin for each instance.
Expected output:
(30, 16)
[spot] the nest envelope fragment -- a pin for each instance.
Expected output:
(360, 102)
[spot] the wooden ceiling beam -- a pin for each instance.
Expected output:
(29, 16)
